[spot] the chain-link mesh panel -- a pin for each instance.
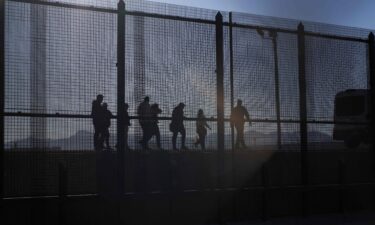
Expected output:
(150, 7)
(267, 21)
(336, 71)
(287, 64)
(78, 134)
(332, 66)
(291, 24)
(287, 51)
(254, 78)
(58, 63)
(254, 81)
(172, 10)
(290, 136)
(61, 59)
(111, 4)
(336, 30)
(171, 62)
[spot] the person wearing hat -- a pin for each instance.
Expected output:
(177, 126)
(97, 115)
(144, 111)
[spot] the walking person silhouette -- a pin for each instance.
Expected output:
(144, 111)
(237, 118)
(177, 126)
(153, 128)
(201, 129)
(107, 116)
(127, 124)
(97, 115)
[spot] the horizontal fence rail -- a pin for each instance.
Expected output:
(61, 115)
(180, 18)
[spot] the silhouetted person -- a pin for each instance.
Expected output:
(177, 125)
(201, 124)
(97, 114)
(143, 112)
(237, 118)
(107, 115)
(127, 124)
(153, 128)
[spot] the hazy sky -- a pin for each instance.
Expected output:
(354, 13)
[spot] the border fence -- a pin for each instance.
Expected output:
(58, 56)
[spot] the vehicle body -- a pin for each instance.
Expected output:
(352, 117)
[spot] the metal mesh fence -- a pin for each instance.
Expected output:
(313, 27)
(171, 62)
(342, 65)
(57, 64)
(333, 68)
(58, 58)
(253, 79)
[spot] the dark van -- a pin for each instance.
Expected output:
(352, 117)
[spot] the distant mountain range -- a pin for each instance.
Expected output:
(83, 140)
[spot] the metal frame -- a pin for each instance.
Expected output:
(87, 116)
(371, 54)
(67, 5)
(302, 102)
(187, 19)
(220, 80)
(122, 12)
(120, 95)
(2, 92)
(231, 73)
(277, 90)
(303, 115)
(220, 108)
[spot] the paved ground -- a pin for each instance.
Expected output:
(363, 218)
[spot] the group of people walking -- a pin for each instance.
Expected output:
(148, 120)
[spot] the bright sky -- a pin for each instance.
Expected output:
(353, 13)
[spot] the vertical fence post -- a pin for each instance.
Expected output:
(2, 80)
(63, 186)
(264, 192)
(231, 72)
(342, 176)
(303, 113)
(220, 80)
(231, 107)
(371, 53)
(120, 91)
(220, 104)
(277, 88)
(120, 103)
(173, 186)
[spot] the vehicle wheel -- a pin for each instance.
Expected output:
(353, 141)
